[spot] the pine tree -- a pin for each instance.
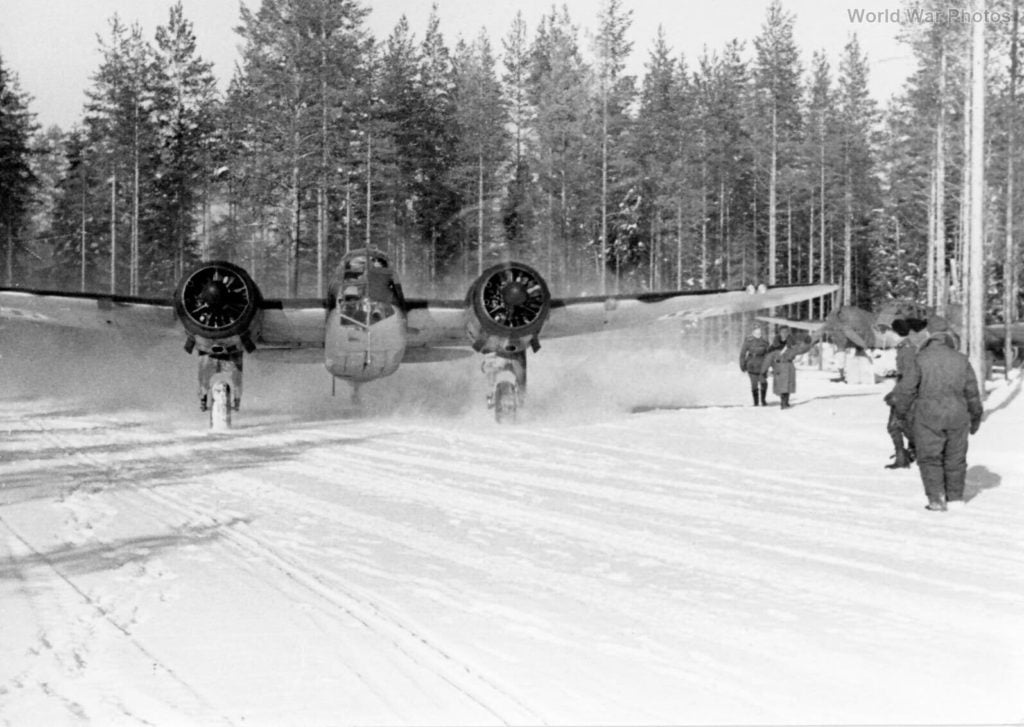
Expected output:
(615, 93)
(300, 58)
(518, 216)
(482, 117)
(123, 139)
(857, 117)
(558, 92)
(184, 107)
(439, 206)
(777, 82)
(17, 179)
(662, 149)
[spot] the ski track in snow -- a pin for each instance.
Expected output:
(706, 565)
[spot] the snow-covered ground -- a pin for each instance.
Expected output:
(644, 547)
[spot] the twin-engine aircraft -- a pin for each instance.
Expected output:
(366, 328)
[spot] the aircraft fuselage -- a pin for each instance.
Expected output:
(366, 331)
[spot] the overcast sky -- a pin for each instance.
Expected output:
(52, 44)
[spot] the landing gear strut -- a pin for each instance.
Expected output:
(506, 383)
(220, 387)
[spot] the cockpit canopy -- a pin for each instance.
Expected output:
(364, 288)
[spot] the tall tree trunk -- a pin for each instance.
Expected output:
(133, 285)
(975, 255)
(821, 207)
(940, 188)
(113, 232)
(480, 213)
(848, 235)
(9, 277)
(82, 242)
(604, 180)
(293, 244)
(1009, 255)
(930, 268)
(679, 238)
(773, 174)
(369, 187)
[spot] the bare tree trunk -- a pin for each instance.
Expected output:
(848, 238)
(293, 244)
(789, 240)
(480, 213)
(604, 179)
(369, 187)
(772, 203)
(679, 239)
(930, 274)
(975, 254)
(82, 241)
(133, 285)
(940, 189)
(9, 277)
(113, 232)
(821, 208)
(1009, 257)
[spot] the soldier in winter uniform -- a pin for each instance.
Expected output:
(779, 360)
(900, 429)
(941, 389)
(751, 358)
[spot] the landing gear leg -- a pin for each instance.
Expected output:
(220, 387)
(506, 383)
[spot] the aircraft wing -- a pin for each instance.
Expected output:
(286, 324)
(575, 316)
(442, 324)
(147, 317)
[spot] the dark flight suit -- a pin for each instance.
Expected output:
(941, 387)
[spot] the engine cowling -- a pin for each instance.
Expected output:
(219, 305)
(508, 305)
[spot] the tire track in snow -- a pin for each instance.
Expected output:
(111, 469)
(418, 648)
(105, 616)
(478, 467)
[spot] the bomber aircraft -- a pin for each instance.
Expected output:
(366, 328)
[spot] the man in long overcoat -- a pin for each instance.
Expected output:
(941, 391)
(779, 360)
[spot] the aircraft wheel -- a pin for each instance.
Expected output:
(506, 402)
(220, 408)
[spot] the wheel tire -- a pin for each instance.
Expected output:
(506, 402)
(220, 406)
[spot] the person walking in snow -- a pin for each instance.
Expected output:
(779, 360)
(941, 390)
(751, 359)
(899, 429)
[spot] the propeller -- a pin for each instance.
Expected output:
(514, 297)
(217, 299)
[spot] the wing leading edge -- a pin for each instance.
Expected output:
(442, 324)
(285, 324)
(579, 316)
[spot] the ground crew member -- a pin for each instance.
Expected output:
(941, 389)
(751, 358)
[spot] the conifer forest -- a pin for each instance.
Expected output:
(754, 162)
